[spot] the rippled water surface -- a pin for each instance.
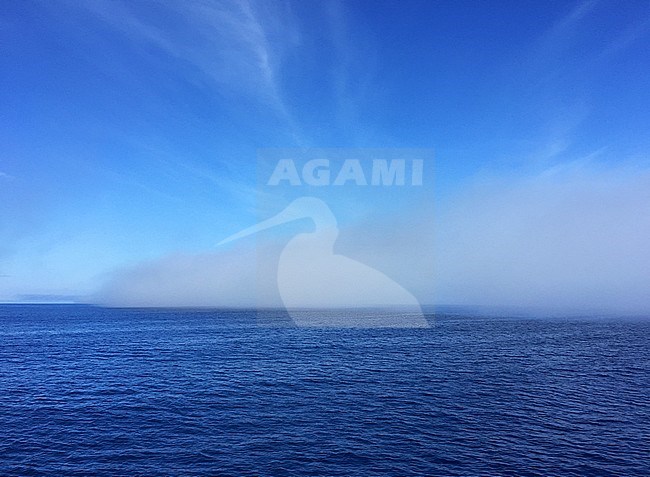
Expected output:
(91, 391)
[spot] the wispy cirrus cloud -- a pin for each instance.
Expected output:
(233, 49)
(569, 55)
(561, 42)
(236, 45)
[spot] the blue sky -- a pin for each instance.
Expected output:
(129, 130)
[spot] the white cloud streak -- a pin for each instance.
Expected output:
(229, 43)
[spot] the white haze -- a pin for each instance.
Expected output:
(571, 238)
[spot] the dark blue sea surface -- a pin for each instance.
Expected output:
(92, 391)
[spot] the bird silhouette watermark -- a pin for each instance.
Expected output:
(319, 283)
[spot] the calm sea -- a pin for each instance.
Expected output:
(92, 391)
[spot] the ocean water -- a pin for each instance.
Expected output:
(92, 391)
